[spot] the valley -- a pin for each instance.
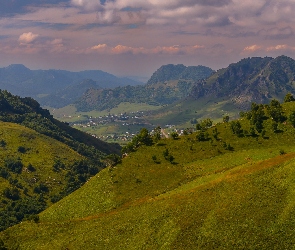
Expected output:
(210, 165)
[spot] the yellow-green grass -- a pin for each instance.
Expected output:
(243, 208)
(41, 152)
(208, 198)
(179, 114)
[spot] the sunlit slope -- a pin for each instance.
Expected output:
(208, 197)
(249, 206)
(39, 151)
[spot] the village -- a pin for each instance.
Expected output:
(127, 126)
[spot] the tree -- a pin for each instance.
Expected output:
(263, 132)
(143, 137)
(292, 118)
(274, 126)
(170, 158)
(275, 110)
(58, 164)
(31, 168)
(166, 153)
(157, 133)
(225, 119)
(202, 136)
(2, 143)
(112, 160)
(11, 193)
(236, 128)
(204, 124)
(174, 135)
(14, 164)
(252, 131)
(130, 147)
(215, 133)
(22, 149)
(289, 98)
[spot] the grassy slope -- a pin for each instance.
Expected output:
(181, 113)
(42, 151)
(209, 198)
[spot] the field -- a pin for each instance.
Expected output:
(70, 113)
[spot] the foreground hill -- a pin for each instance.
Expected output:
(27, 112)
(60, 85)
(230, 186)
(42, 160)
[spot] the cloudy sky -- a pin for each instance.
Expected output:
(135, 37)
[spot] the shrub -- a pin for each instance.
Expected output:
(31, 168)
(225, 119)
(174, 135)
(22, 149)
(11, 193)
(3, 143)
(289, 98)
(14, 165)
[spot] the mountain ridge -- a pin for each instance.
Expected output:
(38, 84)
(250, 80)
(165, 86)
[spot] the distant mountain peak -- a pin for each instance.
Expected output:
(17, 67)
(253, 79)
(176, 72)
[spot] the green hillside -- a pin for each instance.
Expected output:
(230, 186)
(42, 159)
(34, 172)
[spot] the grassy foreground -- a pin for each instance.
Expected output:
(208, 197)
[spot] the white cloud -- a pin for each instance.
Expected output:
(252, 48)
(122, 49)
(200, 12)
(280, 47)
(27, 37)
(89, 5)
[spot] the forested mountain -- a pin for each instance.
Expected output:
(250, 80)
(178, 72)
(55, 88)
(168, 84)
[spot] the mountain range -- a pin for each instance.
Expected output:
(253, 79)
(250, 80)
(56, 88)
(168, 84)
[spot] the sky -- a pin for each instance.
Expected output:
(136, 37)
